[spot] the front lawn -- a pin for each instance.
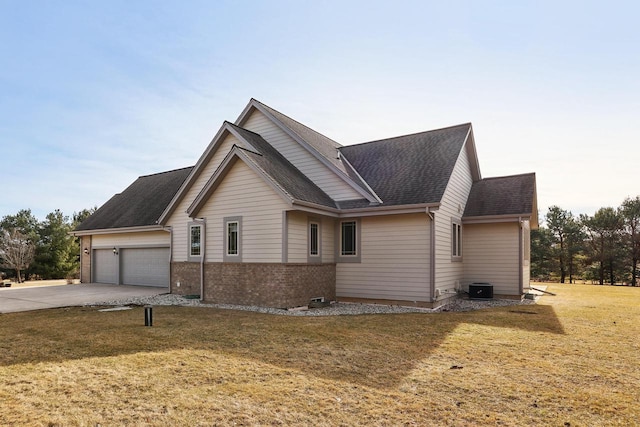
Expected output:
(570, 360)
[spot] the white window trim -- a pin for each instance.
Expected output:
(226, 256)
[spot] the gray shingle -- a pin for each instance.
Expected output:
(505, 195)
(141, 204)
(410, 169)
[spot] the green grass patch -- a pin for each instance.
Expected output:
(571, 359)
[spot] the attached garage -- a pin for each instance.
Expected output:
(132, 266)
(145, 266)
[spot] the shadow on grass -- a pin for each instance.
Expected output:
(371, 350)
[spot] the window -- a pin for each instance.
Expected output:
(195, 240)
(348, 241)
(232, 238)
(232, 243)
(348, 246)
(314, 239)
(456, 239)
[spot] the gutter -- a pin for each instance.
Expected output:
(520, 256)
(170, 230)
(118, 230)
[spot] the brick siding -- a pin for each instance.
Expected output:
(261, 284)
(188, 275)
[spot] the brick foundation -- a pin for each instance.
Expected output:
(261, 284)
(188, 275)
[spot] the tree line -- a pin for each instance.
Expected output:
(32, 249)
(599, 248)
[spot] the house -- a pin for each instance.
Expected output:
(275, 214)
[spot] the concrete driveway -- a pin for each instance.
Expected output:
(26, 299)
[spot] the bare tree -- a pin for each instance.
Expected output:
(16, 251)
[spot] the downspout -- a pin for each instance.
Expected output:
(203, 247)
(432, 255)
(520, 257)
(170, 230)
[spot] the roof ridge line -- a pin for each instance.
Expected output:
(169, 171)
(410, 134)
(508, 176)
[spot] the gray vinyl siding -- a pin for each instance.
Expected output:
(449, 272)
(244, 194)
(394, 260)
(323, 177)
(179, 220)
(491, 253)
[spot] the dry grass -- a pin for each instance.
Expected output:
(571, 360)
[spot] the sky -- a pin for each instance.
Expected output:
(95, 94)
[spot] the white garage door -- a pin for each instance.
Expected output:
(145, 266)
(105, 266)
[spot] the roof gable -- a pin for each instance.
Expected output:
(317, 145)
(269, 164)
(140, 204)
(225, 130)
(410, 169)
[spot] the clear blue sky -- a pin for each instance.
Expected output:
(94, 94)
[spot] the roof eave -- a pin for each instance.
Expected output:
(486, 219)
(136, 229)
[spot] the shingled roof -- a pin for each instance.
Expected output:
(410, 169)
(141, 204)
(505, 195)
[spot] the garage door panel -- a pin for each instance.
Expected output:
(145, 266)
(105, 266)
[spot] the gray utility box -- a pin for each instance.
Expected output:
(481, 291)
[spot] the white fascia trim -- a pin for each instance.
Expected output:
(488, 219)
(309, 148)
(120, 230)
